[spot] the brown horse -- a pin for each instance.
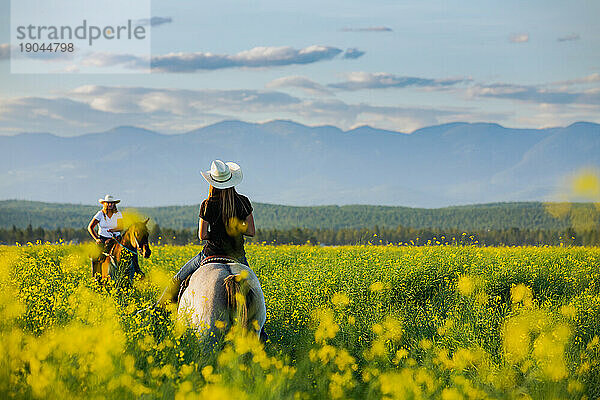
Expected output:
(122, 261)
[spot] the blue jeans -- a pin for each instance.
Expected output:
(194, 263)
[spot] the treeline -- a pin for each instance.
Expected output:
(528, 215)
(419, 237)
(71, 235)
(376, 235)
(33, 235)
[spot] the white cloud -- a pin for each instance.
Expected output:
(368, 29)
(568, 38)
(96, 108)
(383, 80)
(258, 57)
(353, 53)
(100, 59)
(47, 114)
(589, 79)
(179, 101)
(301, 82)
(535, 94)
(71, 69)
(546, 115)
(519, 38)
(341, 114)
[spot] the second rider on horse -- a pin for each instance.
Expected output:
(110, 224)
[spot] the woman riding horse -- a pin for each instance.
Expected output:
(117, 254)
(224, 218)
(110, 223)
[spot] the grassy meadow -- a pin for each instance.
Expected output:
(365, 322)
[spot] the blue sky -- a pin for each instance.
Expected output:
(397, 65)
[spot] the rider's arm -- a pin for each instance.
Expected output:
(91, 227)
(202, 229)
(250, 231)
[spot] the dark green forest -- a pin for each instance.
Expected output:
(345, 236)
(494, 216)
(484, 224)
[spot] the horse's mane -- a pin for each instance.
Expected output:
(138, 225)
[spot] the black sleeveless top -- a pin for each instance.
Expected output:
(219, 242)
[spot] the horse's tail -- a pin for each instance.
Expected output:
(237, 294)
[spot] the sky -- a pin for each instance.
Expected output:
(391, 64)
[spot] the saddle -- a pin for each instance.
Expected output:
(106, 249)
(208, 260)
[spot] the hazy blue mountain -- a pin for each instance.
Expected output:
(288, 163)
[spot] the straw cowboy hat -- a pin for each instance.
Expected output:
(223, 175)
(108, 199)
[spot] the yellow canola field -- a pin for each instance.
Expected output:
(365, 322)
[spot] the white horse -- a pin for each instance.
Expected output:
(221, 294)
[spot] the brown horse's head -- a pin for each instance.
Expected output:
(139, 238)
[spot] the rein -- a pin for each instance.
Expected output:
(121, 264)
(126, 248)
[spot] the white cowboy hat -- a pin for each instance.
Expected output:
(223, 175)
(108, 199)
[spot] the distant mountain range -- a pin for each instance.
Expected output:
(494, 216)
(289, 163)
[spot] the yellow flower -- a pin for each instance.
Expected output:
(568, 311)
(327, 328)
(376, 286)
(340, 299)
(377, 329)
(236, 227)
(451, 394)
(465, 285)
(586, 184)
(521, 293)
(219, 324)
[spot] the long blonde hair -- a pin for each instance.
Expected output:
(227, 199)
(233, 225)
